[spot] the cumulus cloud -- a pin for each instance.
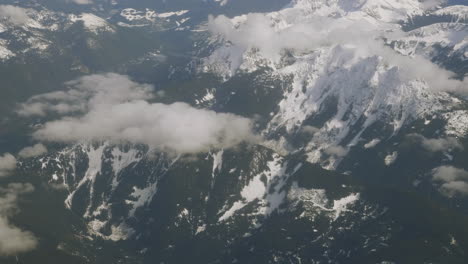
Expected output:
(13, 240)
(294, 30)
(436, 144)
(337, 151)
(114, 108)
(86, 93)
(454, 188)
(33, 151)
(449, 173)
(454, 181)
(178, 127)
(310, 130)
(7, 164)
(14, 14)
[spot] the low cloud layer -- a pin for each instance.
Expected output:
(436, 144)
(337, 151)
(309, 130)
(7, 164)
(85, 94)
(33, 151)
(453, 181)
(15, 15)
(111, 107)
(13, 240)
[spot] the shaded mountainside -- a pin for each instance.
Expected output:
(249, 205)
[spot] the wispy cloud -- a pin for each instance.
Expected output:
(13, 240)
(453, 181)
(337, 151)
(14, 14)
(7, 164)
(33, 151)
(436, 144)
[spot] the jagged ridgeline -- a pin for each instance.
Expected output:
(221, 205)
(357, 108)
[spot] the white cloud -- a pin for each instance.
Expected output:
(437, 144)
(41, 109)
(13, 240)
(14, 14)
(337, 151)
(454, 188)
(114, 108)
(7, 164)
(454, 181)
(309, 130)
(448, 174)
(33, 151)
(87, 93)
(178, 127)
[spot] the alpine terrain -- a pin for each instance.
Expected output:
(233, 131)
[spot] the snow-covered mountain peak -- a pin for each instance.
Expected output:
(387, 11)
(365, 92)
(340, 58)
(301, 29)
(460, 12)
(324, 126)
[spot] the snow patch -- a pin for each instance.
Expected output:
(94, 167)
(374, 142)
(131, 14)
(315, 201)
(391, 158)
(217, 163)
(460, 12)
(5, 53)
(207, 98)
(222, 2)
(457, 123)
(118, 232)
(92, 22)
(268, 195)
(200, 229)
(143, 197)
